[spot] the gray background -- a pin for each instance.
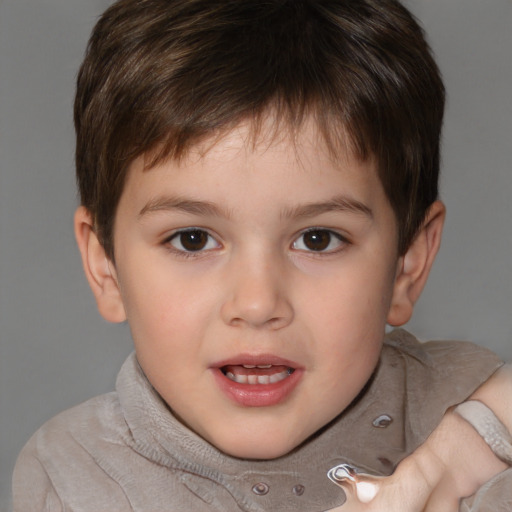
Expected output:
(55, 349)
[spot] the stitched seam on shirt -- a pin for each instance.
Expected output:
(53, 488)
(104, 466)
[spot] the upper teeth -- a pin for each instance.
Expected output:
(258, 379)
(262, 366)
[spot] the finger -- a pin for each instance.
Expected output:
(417, 490)
(439, 503)
(361, 490)
(442, 498)
(358, 486)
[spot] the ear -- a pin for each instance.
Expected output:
(414, 266)
(99, 270)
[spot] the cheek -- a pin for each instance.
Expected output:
(349, 364)
(357, 298)
(169, 308)
(346, 315)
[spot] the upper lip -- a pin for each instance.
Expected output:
(256, 359)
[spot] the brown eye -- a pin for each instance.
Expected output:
(318, 240)
(193, 240)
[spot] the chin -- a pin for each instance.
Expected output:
(256, 449)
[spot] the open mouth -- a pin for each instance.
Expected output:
(262, 380)
(257, 374)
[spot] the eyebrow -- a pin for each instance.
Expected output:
(202, 208)
(207, 209)
(336, 204)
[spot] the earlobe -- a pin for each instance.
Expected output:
(100, 272)
(414, 266)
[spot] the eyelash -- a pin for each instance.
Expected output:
(325, 237)
(341, 241)
(190, 253)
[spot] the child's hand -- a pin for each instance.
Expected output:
(452, 463)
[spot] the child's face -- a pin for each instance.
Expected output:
(273, 256)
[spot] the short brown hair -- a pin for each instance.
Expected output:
(162, 74)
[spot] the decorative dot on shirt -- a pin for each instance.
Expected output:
(260, 489)
(383, 421)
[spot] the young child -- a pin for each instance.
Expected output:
(258, 187)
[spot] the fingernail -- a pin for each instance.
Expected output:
(366, 491)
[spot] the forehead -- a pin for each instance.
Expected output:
(299, 139)
(253, 165)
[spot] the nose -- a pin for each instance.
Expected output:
(258, 295)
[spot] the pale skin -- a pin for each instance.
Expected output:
(217, 258)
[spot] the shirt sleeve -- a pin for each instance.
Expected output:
(65, 466)
(494, 496)
(32, 488)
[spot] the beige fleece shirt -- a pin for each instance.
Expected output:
(125, 451)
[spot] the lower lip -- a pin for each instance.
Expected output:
(257, 395)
